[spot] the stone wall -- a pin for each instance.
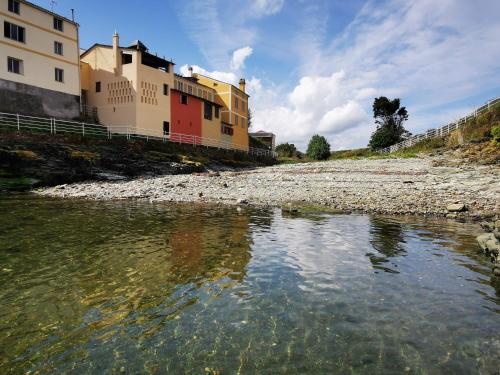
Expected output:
(35, 101)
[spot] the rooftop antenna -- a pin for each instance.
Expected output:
(53, 3)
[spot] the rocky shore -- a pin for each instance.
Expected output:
(389, 186)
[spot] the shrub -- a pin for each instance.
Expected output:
(318, 148)
(287, 150)
(495, 132)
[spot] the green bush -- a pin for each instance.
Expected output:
(287, 150)
(495, 132)
(318, 148)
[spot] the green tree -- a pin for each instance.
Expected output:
(249, 120)
(287, 150)
(318, 148)
(389, 117)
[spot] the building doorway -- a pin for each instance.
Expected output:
(166, 128)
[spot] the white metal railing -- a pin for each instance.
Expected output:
(57, 126)
(442, 131)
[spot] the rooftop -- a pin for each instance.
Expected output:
(135, 46)
(261, 133)
(49, 12)
(226, 83)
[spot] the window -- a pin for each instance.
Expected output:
(243, 123)
(126, 58)
(165, 89)
(14, 32)
(58, 24)
(217, 110)
(208, 111)
(227, 130)
(190, 90)
(14, 65)
(180, 87)
(235, 120)
(58, 48)
(98, 86)
(235, 102)
(166, 128)
(14, 6)
(59, 75)
(184, 99)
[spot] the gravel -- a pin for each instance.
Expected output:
(391, 186)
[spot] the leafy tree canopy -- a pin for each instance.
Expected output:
(389, 117)
(286, 150)
(318, 148)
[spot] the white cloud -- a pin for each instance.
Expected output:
(343, 117)
(228, 77)
(220, 27)
(268, 7)
(316, 105)
(239, 57)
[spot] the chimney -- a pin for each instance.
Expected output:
(242, 84)
(190, 69)
(116, 53)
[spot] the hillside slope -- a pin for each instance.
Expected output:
(34, 159)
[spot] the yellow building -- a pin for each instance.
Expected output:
(234, 111)
(129, 86)
(39, 61)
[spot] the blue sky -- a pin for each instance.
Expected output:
(314, 66)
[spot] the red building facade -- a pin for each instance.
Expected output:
(186, 118)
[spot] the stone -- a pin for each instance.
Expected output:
(490, 245)
(456, 207)
(487, 226)
(241, 201)
(496, 271)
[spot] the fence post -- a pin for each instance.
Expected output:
(54, 121)
(18, 124)
(83, 129)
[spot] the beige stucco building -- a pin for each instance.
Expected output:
(234, 111)
(39, 61)
(129, 86)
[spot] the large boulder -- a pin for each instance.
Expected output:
(456, 207)
(490, 245)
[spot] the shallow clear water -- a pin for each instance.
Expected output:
(129, 287)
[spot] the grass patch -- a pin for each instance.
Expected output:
(359, 153)
(26, 154)
(89, 157)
